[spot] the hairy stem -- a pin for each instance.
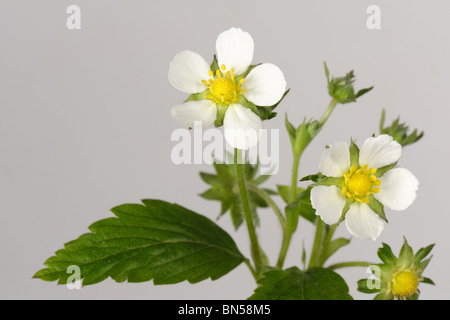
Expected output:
(240, 175)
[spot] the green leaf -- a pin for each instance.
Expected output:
(334, 246)
(224, 189)
(285, 192)
(294, 284)
(157, 240)
(302, 206)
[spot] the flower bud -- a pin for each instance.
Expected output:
(341, 88)
(399, 131)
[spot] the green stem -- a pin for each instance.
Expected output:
(240, 174)
(317, 246)
(328, 112)
(294, 180)
(287, 236)
(326, 242)
(350, 264)
(252, 270)
(269, 201)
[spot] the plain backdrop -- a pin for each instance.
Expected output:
(85, 123)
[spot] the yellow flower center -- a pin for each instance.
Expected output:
(223, 86)
(404, 284)
(360, 183)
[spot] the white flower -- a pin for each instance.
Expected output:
(222, 90)
(361, 186)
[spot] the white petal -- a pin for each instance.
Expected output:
(328, 202)
(335, 160)
(241, 127)
(398, 189)
(234, 49)
(378, 152)
(187, 70)
(265, 85)
(189, 112)
(362, 222)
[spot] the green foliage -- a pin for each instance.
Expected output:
(399, 131)
(157, 240)
(224, 188)
(294, 284)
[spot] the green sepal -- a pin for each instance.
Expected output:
(377, 207)
(341, 88)
(332, 181)
(386, 255)
(214, 65)
(197, 96)
(348, 203)
(406, 255)
(422, 253)
(313, 177)
(354, 154)
(427, 281)
(381, 171)
(362, 287)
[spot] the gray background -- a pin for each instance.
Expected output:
(85, 123)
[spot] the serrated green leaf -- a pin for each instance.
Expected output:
(157, 240)
(294, 284)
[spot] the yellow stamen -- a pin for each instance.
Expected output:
(360, 183)
(223, 87)
(404, 284)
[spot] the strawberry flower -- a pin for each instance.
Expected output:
(225, 92)
(359, 183)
